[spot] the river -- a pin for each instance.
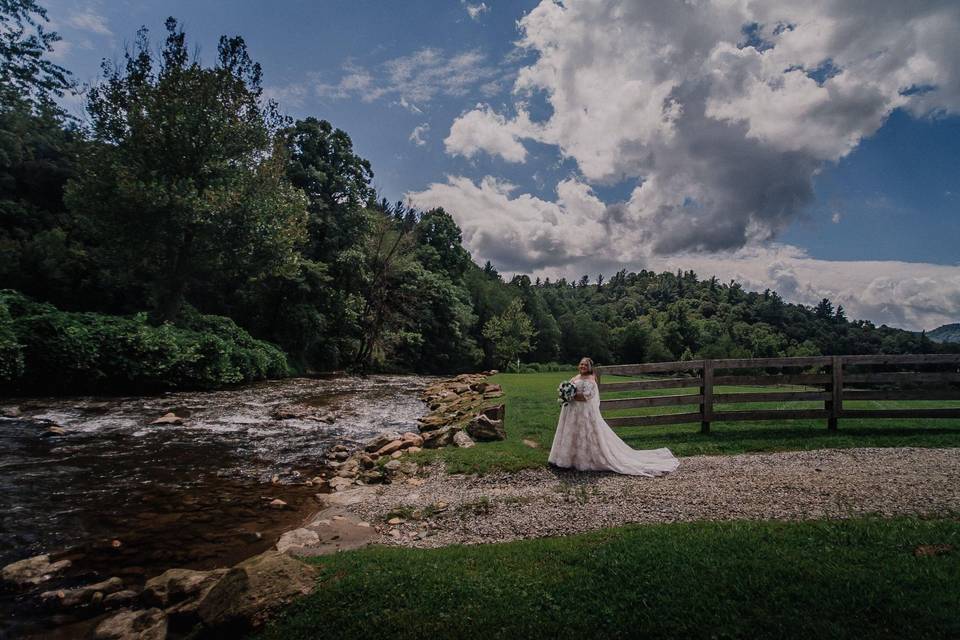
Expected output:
(89, 479)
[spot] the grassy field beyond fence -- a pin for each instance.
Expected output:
(532, 413)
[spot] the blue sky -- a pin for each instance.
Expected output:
(555, 160)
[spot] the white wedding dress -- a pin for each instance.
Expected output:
(584, 441)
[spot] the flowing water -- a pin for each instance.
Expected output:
(89, 479)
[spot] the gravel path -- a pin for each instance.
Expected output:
(795, 485)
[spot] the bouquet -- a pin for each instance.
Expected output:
(565, 392)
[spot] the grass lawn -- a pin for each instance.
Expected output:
(821, 579)
(532, 413)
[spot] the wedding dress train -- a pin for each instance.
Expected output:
(584, 441)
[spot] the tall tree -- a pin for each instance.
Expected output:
(26, 73)
(510, 333)
(186, 177)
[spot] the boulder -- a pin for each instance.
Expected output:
(81, 595)
(10, 412)
(462, 440)
(393, 446)
(432, 422)
(148, 624)
(489, 395)
(168, 418)
(392, 466)
(339, 483)
(120, 599)
(415, 438)
(253, 589)
(297, 538)
(277, 503)
(175, 585)
(483, 428)
(32, 571)
(441, 437)
(380, 441)
(496, 412)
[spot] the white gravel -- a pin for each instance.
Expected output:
(795, 485)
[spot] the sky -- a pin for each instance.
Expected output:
(810, 148)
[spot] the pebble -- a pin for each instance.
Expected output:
(532, 503)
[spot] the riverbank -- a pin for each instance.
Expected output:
(91, 480)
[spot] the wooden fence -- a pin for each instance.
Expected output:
(826, 376)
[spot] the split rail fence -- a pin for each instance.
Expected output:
(830, 379)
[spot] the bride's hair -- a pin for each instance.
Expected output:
(589, 363)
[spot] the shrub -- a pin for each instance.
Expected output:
(44, 349)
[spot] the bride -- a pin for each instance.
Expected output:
(584, 441)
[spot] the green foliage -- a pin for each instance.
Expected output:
(185, 178)
(510, 332)
(56, 351)
(25, 72)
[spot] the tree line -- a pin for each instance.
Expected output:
(189, 234)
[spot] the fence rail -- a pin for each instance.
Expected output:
(829, 378)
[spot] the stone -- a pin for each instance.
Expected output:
(80, 595)
(176, 585)
(415, 438)
(462, 440)
(409, 467)
(297, 538)
(366, 461)
(32, 571)
(496, 412)
(347, 473)
(489, 395)
(340, 456)
(431, 423)
(372, 477)
(54, 430)
(168, 418)
(395, 445)
(414, 449)
(479, 387)
(277, 503)
(395, 521)
(339, 483)
(339, 447)
(11, 412)
(252, 590)
(442, 437)
(484, 429)
(396, 454)
(531, 443)
(120, 599)
(147, 624)
(347, 497)
(378, 442)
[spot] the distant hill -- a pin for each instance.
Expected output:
(946, 333)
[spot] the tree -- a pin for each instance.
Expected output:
(824, 309)
(510, 333)
(185, 179)
(25, 74)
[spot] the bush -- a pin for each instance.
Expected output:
(44, 349)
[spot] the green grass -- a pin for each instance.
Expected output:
(822, 579)
(532, 413)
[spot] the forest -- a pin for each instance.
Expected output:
(187, 234)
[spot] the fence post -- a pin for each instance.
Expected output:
(706, 390)
(835, 404)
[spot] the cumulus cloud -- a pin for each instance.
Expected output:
(578, 234)
(721, 112)
(415, 79)
(483, 130)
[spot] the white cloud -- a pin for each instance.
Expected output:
(578, 234)
(89, 20)
(416, 79)
(475, 10)
(416, 136)
(483, 130)
(721, 111)
(835, 218)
